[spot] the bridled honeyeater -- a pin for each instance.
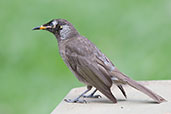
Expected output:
(89, 64)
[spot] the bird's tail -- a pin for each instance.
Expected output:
(139, 87)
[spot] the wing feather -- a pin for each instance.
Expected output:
(87, 68)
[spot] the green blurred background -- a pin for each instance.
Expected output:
(135, 35)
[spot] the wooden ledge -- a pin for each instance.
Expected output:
(136, 103)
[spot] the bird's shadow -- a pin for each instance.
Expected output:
(132, 101)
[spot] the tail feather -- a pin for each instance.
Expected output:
(139, 87)
(145, 90)
(122, 90)
(108, 94)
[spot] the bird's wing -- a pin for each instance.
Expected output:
(87, 68)
(121, 78)
(98, 70)
(106, 67)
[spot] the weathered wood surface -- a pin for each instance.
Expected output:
(136, 103)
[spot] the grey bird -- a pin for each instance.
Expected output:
(89, 64)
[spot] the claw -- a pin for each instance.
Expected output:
(75, 101)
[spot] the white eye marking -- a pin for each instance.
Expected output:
(54, 23)
(65, 31)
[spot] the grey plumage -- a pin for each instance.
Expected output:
(89, 64)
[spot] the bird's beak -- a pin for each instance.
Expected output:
(41, 27)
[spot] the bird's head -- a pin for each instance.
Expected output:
(61, 28)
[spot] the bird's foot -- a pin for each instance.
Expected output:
(75, 101)
(92, 96)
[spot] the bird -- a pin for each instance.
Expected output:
(89, 64)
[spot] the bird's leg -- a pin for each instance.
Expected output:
(92, 95)
(77, 100)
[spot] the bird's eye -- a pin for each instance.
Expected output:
(60, 27)
(51, 24)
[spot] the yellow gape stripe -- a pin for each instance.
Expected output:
(42, 27)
